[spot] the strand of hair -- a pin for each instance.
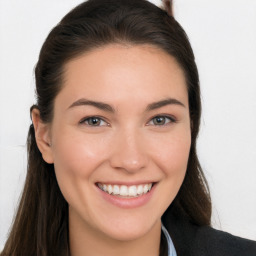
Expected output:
(168, 7)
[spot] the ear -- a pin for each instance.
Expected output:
(42, 134)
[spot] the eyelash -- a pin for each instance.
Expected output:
(88, 119)
(165, 118)
(151, 121)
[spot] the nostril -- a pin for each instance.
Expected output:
(130, 165)
(128, 152)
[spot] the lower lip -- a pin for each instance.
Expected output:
(128, 203)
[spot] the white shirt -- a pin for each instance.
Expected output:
(171, 249)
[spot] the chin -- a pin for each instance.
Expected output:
(129, 229)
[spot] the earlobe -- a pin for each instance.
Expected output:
(42, 134)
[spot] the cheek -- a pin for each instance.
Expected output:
(78, 154)
(76, 157)
(171, 153)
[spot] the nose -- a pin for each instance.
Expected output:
(129, 152)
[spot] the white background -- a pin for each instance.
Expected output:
(223, 36)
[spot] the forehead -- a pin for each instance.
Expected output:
(123, 71)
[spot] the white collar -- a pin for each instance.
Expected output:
(171, 248)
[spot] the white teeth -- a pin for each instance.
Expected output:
(145, 188)
(132, 191)
(123, 190)
(140, 190)
(105, 187)
(116, 190)
(109, 189)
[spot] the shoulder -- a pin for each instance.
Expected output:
(193, 240)
(209, 241)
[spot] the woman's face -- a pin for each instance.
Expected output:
(120, 139)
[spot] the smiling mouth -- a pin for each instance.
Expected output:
(126, 191)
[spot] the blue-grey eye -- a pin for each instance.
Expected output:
(94, 121)
(161, 120)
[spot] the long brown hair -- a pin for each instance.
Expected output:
(41, 223)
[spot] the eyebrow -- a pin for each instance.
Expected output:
(106, 107)
(97, 104)
(162, 103)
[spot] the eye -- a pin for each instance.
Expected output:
(94, 121)
(161, 120)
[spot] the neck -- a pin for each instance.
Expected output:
(87, 241)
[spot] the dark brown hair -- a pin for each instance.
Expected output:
(41, 223)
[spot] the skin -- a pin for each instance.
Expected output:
(126, 145)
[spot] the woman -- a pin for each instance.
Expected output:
(112, 164)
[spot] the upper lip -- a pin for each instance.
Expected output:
(126, 183)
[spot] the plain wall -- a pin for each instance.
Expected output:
(223, 36)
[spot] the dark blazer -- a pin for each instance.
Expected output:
(193, 240)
